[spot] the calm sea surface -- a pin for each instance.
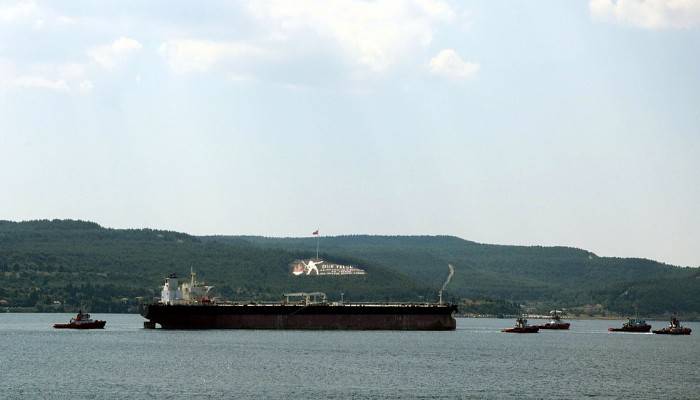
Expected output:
(476, 361)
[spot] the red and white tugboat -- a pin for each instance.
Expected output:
(634, 325)
(521, 326)
(674, 328)
(555, 322)
(82, 321)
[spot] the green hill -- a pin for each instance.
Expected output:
(541, 277)
(63, 264)
(80, 263)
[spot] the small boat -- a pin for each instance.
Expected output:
(633, 325)
(555, 322)
(521, 326)
(82, 321)
(674, 328)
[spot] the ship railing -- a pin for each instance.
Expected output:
(334, 303)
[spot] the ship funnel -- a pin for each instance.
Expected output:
(447, 281)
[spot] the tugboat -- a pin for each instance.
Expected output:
(633, 325)
(82, 321)
(674, 328)
(555, 322)
(521, 326)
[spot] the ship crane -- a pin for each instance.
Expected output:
(447, 281)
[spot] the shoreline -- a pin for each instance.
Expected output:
(693, 318)
(581, 317)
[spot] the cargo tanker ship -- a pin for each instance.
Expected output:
(187, 306)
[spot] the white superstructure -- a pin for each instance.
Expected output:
(191, 292)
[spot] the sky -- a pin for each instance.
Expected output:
(573, 123)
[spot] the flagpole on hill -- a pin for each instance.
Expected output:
(318, 240)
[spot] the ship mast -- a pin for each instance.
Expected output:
(318, 241)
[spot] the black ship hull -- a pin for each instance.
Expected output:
(427, 317)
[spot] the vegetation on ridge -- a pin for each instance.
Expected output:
(63, 264)
(540, 278)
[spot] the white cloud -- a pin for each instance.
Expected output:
(373, 34)
(36, 82)
(350, 38)
(27, 12)
(437, 9)
(54, 77)
(650, 14)
(18, 11)
(189, 55)
(110, 55)
(448, 64)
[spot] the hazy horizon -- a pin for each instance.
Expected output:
(552, 123)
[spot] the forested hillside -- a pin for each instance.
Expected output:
(541, 277)
(64, 264)
(56, 265)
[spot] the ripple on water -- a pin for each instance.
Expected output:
(475, 361)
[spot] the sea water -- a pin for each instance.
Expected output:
(475, 361)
